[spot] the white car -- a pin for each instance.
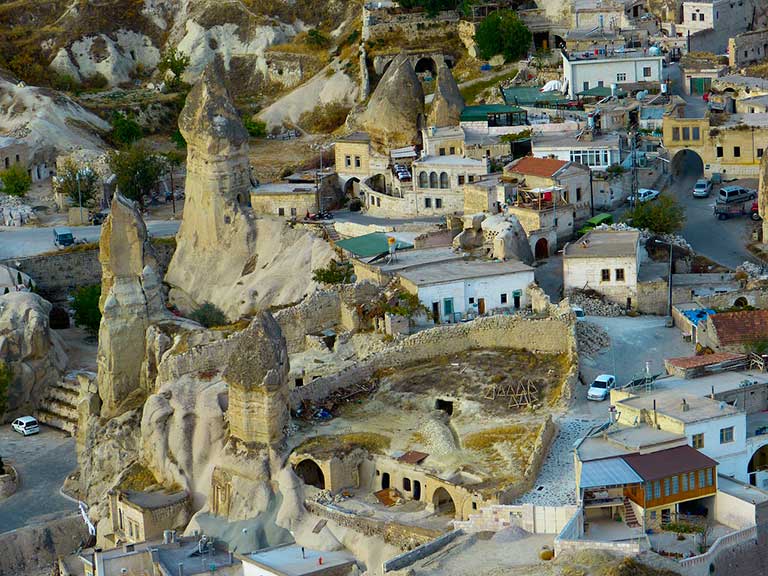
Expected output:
(26, 425)
(644, 195)
(601, 387)
(578, 311)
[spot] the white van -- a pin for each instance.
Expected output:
(26, 425)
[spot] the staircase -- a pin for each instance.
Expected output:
(332, 234)
(629, 515)
(58, 408)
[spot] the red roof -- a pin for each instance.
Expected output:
(669, 462)
(412, 457)
(542, 167)
(705, 360)
(740, 327)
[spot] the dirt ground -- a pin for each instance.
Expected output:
(272, 158)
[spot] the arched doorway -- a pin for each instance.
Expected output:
(688, 165)
(426, 65)
(542, 249)
(443, 502)
(311, 473)
(352, 187)
(757, 468)
(385, 480)
(559, 42)
(741, 302)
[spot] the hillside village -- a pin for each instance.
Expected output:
(428, 287)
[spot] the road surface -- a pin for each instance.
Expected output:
(18, 242)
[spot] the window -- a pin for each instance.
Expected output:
(697, 441)
(675, 134)
(423, 180)
(675, 485)
(666, 486)
(407, 484)
(471, 300)
(471, 178)
(461, 179)
(693, 17)
(590, 157)
(649, 489)
(621, 77)
(619, 274)
(719, 151)
(684, 478)
(17, 159)
(759, 152)
(578, 194)
(504, 298)
(433, 179)
(438, 202)
(709, 476)
(686, 133)
(737, 151)
(357, 161)
(657, 489)
(726, 435)
(653, 514)
(293, 211)
(695, 133)
(427, 202)
(586, 86)
(701, 479)
(347, 161)
(691, 481)
(442, 151)
(444, 180)
(605, 275)
(701, 17)
(281, 211)
(600, 84)
(646, 72)
(453, 150)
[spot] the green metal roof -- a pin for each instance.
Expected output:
(530, 96)
(369, 245)
(601, 92)
(480, 112)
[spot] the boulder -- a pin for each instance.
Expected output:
(448, 102)
(508, 238)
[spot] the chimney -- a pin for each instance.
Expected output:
(181, 568)
(684, 406)
(712, 394)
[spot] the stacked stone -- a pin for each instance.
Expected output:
(595, 306)
(591, 338)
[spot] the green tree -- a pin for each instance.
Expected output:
(661, 216)
(136, 170)
(16, 181)
(67, 183)
(178, 139)
(334, 273)
(256, 128)
(125, 130)
(209, 315)
(86, 307)
(502, 32)
(176, 62)
(6, 376)
(172, 160)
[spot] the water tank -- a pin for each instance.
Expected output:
(654, 51)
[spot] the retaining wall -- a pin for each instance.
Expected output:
(715, 560)
(408, 558)
(8, 481)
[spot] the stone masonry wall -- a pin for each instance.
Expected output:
(320, 311)
(58, 273)
(747, 48)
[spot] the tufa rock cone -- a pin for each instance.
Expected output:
(448, 102)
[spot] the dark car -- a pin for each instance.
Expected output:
(63, 237)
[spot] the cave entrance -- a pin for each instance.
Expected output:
(311, 473)
(444, 405)
(443, 502)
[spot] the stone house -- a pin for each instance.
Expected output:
(353, 160)
(733, 331)
(297, 195)
(699, 73)
(140, 516)
(438, 182)
(598, 151)
(605, 261)
(638, 69)
(488, 194)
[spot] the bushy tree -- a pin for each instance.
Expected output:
(209, 315)
(502, 32)
(334, 273)
(661, 216)
(67, 183)
(16, 181)
(256, 128)
(86, 307)
(125, 130)
(136, 169)
(6, 376)
(176, 62)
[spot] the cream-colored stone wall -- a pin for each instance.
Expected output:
(294, 204)
(349, 155)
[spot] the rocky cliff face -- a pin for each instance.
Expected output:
(224, 254)
(762, 196)
(448, 103)
(31, 350)
(131, 299)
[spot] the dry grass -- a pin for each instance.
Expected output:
(339, 444)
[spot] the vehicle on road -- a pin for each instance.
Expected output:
(594, 222)
(725, 211)
(578, 311)
(644, 195)
(26, 425)
(735, 195)
(63, 237)
(702, 188)
(601, 388)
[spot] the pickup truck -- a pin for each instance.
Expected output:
(725, 211)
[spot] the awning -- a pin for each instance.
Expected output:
(607, 472)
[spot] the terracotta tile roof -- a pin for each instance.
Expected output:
(669, 462)
(705, 360)
(739, 327)
(541, 167)
(412, 457)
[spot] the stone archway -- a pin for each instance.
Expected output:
(352, 187)
(688, 164)
(426, 64)
(757, 468)
(741, 302)
(541, 249)
(443, 502)
(311, 473)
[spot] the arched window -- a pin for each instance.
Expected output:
(423, 180)
(444, 180)
(433, 179)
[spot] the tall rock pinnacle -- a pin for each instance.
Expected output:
(448, 102)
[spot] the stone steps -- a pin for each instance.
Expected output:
(58, 408)
(57, 421)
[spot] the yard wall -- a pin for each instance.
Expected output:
(408, 558)
(529, 517)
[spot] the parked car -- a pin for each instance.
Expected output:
(97, 218)
(735, 194)
(725, 211)
(26, 425)
(578, 311)
(702, 188)
(63, 237)
(644, 195)
(601, 388)
(594, 222)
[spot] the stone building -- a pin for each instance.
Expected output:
(257, 375)
(733, 331)
(140, 516)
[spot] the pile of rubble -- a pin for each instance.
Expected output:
(595, 306)
(646, 235)
(326, 497)
(751, 269)
(13, 212)
(591, 338)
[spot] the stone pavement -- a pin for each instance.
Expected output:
(556, 485)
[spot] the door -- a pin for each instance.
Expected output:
(385, 480)
(516, 298)
(481, 305)
(436, 312)
(448, 309)
(666, 516)
(416, 490)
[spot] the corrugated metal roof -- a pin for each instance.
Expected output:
(607, 472)
(480, 112)
(369, 245)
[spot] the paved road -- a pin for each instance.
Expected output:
(43, 462)
(363, 218)
(18, 242)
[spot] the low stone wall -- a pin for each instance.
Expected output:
(570, 540)
(529, 517)
(547, 335)
(8, 481)
(402, 536)
(715, 560)
(408, 558)
(58, 273)
(538, 454)
(320, 311)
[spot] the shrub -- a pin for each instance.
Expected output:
(125, 130)
(16, 181)
(64, 82)
(324, 118)
(86, 307)
(96, 81)
(77, 183)
(178, 139)
(502, 32)
(661, 216)
(175, 62)
(6, 376)
(334, 273)
(316, 38)
(209, 315)
(256, 128)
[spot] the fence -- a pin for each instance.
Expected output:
(720, 544)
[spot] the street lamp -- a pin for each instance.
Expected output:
(669, 280)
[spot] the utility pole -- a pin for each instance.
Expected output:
(79, 196)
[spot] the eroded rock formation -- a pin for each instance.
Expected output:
(499, 236)
(448, 103)
(762, 196)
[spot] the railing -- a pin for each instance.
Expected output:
(720, 544)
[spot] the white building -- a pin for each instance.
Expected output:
(585, 70)
(698, 16)
(457, 289)
(438, 182)
(605, 261)
(598, 152)
(295, 560)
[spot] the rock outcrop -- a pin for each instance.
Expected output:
(395, 111)
(501, 237)
(30, 349)
(448, 102)
(131, 299)
(224, 254)
(762, 196)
